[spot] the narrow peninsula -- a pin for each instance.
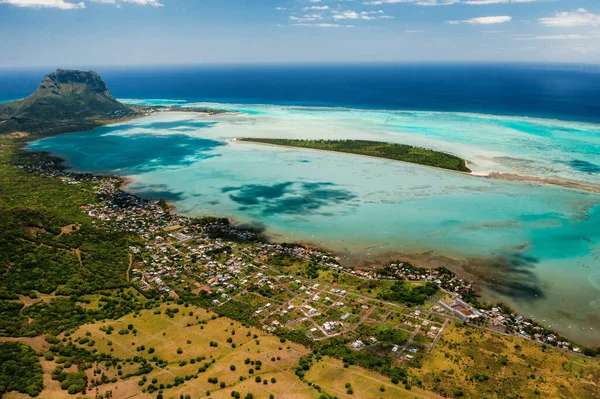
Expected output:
(378, 149)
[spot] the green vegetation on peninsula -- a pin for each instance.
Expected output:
(378, 149)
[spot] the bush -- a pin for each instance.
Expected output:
(74, 382)
(20, 369)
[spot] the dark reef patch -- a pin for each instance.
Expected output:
(156, 191)
(254, 226)
(288, 198)
(254, 194)
(584, 166)
(510, 275)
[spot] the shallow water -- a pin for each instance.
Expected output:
(361, 206)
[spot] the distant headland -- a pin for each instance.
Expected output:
(65, 101)
(71, 100)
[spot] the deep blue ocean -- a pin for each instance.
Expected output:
(569, 92)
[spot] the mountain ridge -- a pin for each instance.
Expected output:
(65, 100)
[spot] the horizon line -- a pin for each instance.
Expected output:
(293, 63)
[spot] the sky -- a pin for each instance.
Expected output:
(71, 33)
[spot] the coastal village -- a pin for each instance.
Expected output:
(289, 286)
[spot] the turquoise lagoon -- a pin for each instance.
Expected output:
(548, 237)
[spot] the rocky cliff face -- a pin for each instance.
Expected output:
(65, 100)
(55, 82)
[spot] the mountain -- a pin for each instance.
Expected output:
(65, 101)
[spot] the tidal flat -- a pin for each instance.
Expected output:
(536, 247)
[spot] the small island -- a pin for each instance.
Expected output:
(378, 149)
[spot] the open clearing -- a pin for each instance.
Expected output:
(331, 375)
(192, 330)
(484, 364)
(468, 362)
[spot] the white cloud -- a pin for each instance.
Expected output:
(483, 20)
(118, 3)
(572, 36)
(325, 25)
(561, 37)
(579, 17)
(72, 4)
(485, 2)
(417, 2)
(346, 15)
(307, 17)
(436, 2)
(61, 4)
(448, 2)
(316, 8)
(365, 15)
(586, 49)
(302, 14)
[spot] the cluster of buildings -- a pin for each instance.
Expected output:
(174, 243)
(46, 166)
(178, 251)
(460, 308)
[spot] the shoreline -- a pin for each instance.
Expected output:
(462, 267)
(492, 175)
(477, 272)
(544, 181)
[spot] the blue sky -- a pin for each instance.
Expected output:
(134, 32)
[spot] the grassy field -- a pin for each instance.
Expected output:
(192, 333)
(476, 363)
(197, 333)
(332, 376)
(467, 362)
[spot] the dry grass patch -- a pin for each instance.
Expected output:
(332, 377)
(181, 338)
(480, 364)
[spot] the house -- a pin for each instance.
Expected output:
(358, 344)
